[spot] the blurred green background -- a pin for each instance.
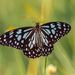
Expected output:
(21, 13)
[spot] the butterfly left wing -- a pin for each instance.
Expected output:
(56, 30)
(17, 37)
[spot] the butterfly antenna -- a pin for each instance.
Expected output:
(41, 22)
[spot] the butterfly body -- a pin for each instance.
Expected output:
(35, 41)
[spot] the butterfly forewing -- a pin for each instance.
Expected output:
(56, 30)
(16, 38)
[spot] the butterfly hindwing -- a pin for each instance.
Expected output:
(16, 38)
(31, 50)
(47, 45)
(56, 30)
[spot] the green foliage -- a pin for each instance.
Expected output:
(12, 61)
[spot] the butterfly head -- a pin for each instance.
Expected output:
(37, 25)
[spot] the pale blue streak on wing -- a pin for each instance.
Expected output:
(28, 35)
(45, 26)
(58, 23)
(64, 25)
(48, 31)
(29, 44)
(46, 40)
(4, 35)
(11, 36)
(19, 31)
(19, 37)
(42, 33)
(34, 38)
(27, 30)
(43, 38)
(11, 32)
(59, 27)
(25, 35)
(53, 31)
(52, 26)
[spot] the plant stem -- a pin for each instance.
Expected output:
(45, 66)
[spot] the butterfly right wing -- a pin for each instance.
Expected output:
(17, 37)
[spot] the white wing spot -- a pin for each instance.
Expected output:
(26, 49)
(50, 45)
(17, 43)
(22, 41)
(29, 53)
(33, 52)
(25, 53)
(64, 28)
(60, 31)
(16, 35)
(34, 56)
(64, 25)
(55, 37)
(51, 36)
(10, 41)
(54, 28)
(4, 35)
(21, 45)
(56, 34)
(4, 39)
(48, 49)
(67, 28)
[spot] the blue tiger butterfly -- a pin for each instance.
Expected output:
(35, 41)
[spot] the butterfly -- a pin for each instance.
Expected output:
(35, 41)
